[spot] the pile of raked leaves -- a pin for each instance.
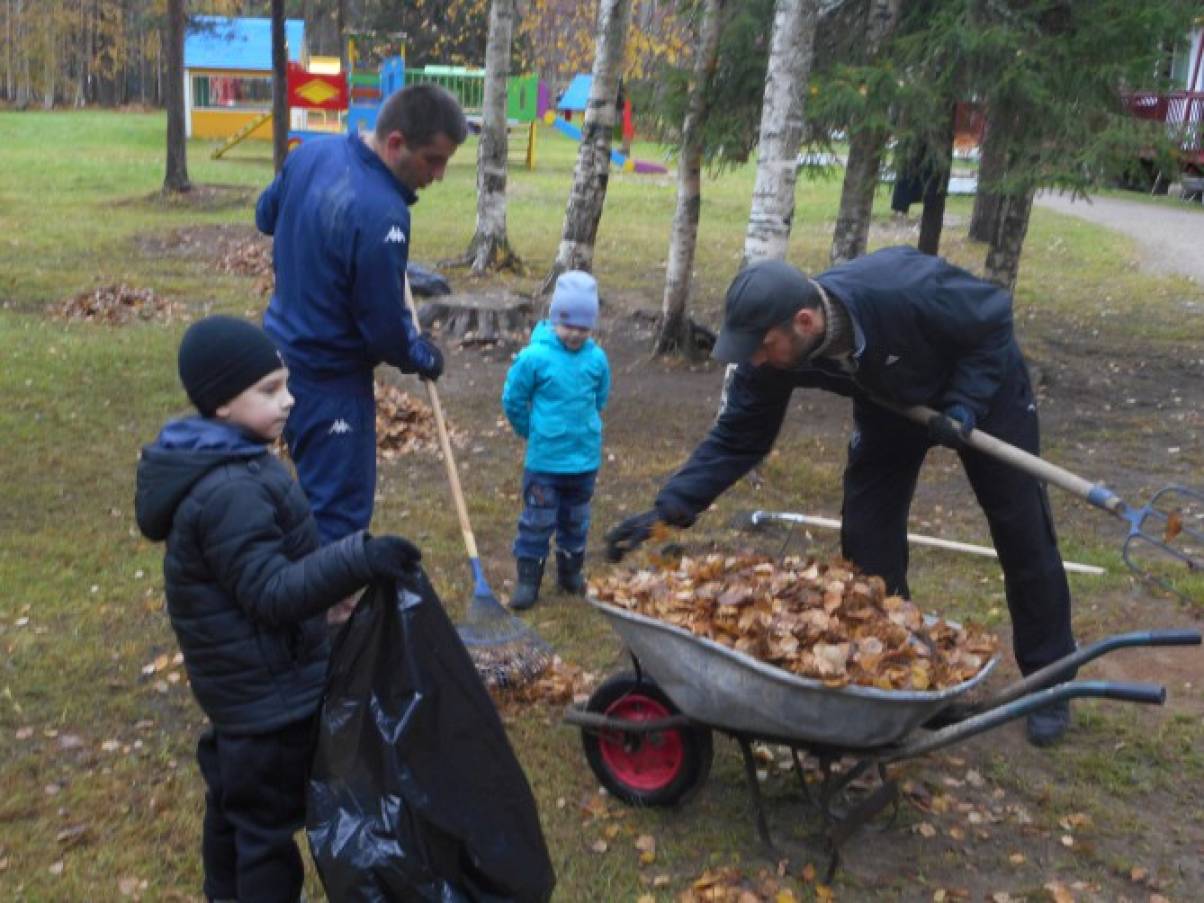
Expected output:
(822, 620)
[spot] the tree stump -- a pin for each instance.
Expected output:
(479, 319)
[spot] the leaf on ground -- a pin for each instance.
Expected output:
(599, 846)
(1138, 874)
(56, 868)
(925, 830)
(1016, 859)
(1174, 525)
(808, 873)
(1059, 892)
(1066, 840)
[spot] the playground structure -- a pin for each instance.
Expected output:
(228, 89)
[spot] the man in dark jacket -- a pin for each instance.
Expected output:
(340, 214)
(247, 588)
(910, 329)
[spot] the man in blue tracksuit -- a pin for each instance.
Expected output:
(910, 329)
(339, 211)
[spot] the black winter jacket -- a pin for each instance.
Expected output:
(929, 333)
(247, 584)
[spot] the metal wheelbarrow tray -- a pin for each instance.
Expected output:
(647, 733)
(730, 690)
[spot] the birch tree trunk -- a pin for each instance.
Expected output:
(786, 78)
(851, 234)
(592, 172)
(176, 178)
(674, 333)
(490, 247)
(1003, 256)
(279, 86)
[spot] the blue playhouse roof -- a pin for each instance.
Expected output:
(218, 42)
(576, 95)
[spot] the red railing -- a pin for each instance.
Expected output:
(1182, 111)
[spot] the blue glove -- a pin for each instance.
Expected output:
(425, 348)
(951, 428)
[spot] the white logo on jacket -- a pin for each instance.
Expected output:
(396, 235)
(340, 426)
(890, 359)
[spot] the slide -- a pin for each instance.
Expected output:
(628, 164)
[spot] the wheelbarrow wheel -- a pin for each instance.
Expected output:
(647, 769)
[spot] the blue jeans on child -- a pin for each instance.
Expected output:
(554, 503)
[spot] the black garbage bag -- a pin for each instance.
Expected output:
(426, 283)
(415, 792)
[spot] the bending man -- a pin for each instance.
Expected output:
(912, 330)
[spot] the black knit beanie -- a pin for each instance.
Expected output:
(222, 356)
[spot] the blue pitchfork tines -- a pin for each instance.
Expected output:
(1169, 527)
(1169, 524)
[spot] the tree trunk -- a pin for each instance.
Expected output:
(176, 179)
(851, 234)
(984, 221)
(592, 172)
(936, 189)
(340, 23)
(786, 78)
(674, 333)
(1003, 256)
(279, 86)
(490, 248)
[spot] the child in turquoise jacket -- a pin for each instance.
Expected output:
(553, 397)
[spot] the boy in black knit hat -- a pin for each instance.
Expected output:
(247, 589)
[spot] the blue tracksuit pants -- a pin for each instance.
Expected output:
(554, 503)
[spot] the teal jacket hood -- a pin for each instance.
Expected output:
(554, 398)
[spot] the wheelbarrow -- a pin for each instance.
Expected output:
(647, 733)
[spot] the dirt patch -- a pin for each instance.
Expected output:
(203, 198)
(117, 305)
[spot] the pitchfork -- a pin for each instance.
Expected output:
(1167, 511)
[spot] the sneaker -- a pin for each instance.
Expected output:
(1046, 726)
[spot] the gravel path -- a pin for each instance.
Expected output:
(1172, 240)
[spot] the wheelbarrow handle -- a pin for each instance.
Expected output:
(1060, 669)
(1149, 694)
(1095, 493)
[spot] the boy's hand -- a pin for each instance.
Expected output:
(391, 557)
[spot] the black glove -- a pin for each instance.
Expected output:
(391, 557)
(435, 368)
(951, 428)
(628, 535)
(631, 533)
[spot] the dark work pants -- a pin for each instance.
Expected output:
(254, 803)
(331, 436)
(554, 503)
(885, 455)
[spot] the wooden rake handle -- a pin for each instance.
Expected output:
(453, 475)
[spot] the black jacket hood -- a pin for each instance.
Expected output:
(184, 452)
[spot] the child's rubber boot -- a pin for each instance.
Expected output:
(568, 572)
(530, 575)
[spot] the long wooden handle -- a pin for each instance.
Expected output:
(1030, 464)
(453, 475)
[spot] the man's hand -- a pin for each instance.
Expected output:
(633, 532)
(391, 557)
(951, 428)
(429, 350)
(630, 534)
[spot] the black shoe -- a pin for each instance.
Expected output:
(568, 572)
(1046, 726)
(530, 575)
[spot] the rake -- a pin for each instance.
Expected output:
(504, 649)
(1161, 526)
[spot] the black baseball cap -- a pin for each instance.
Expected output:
(762, 295)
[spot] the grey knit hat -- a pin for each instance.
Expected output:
(575, 300)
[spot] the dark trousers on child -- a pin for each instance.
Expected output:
(254, 804)
(554, 503)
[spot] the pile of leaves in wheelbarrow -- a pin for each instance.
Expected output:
(822, 620)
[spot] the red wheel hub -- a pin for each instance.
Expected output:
(642, 761)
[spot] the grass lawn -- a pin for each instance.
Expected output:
(101, 799)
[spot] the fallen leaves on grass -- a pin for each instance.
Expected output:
(821, 620)
(559, 684)
(117, 305)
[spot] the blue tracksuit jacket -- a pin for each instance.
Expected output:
(554, 398)
(342, 226)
